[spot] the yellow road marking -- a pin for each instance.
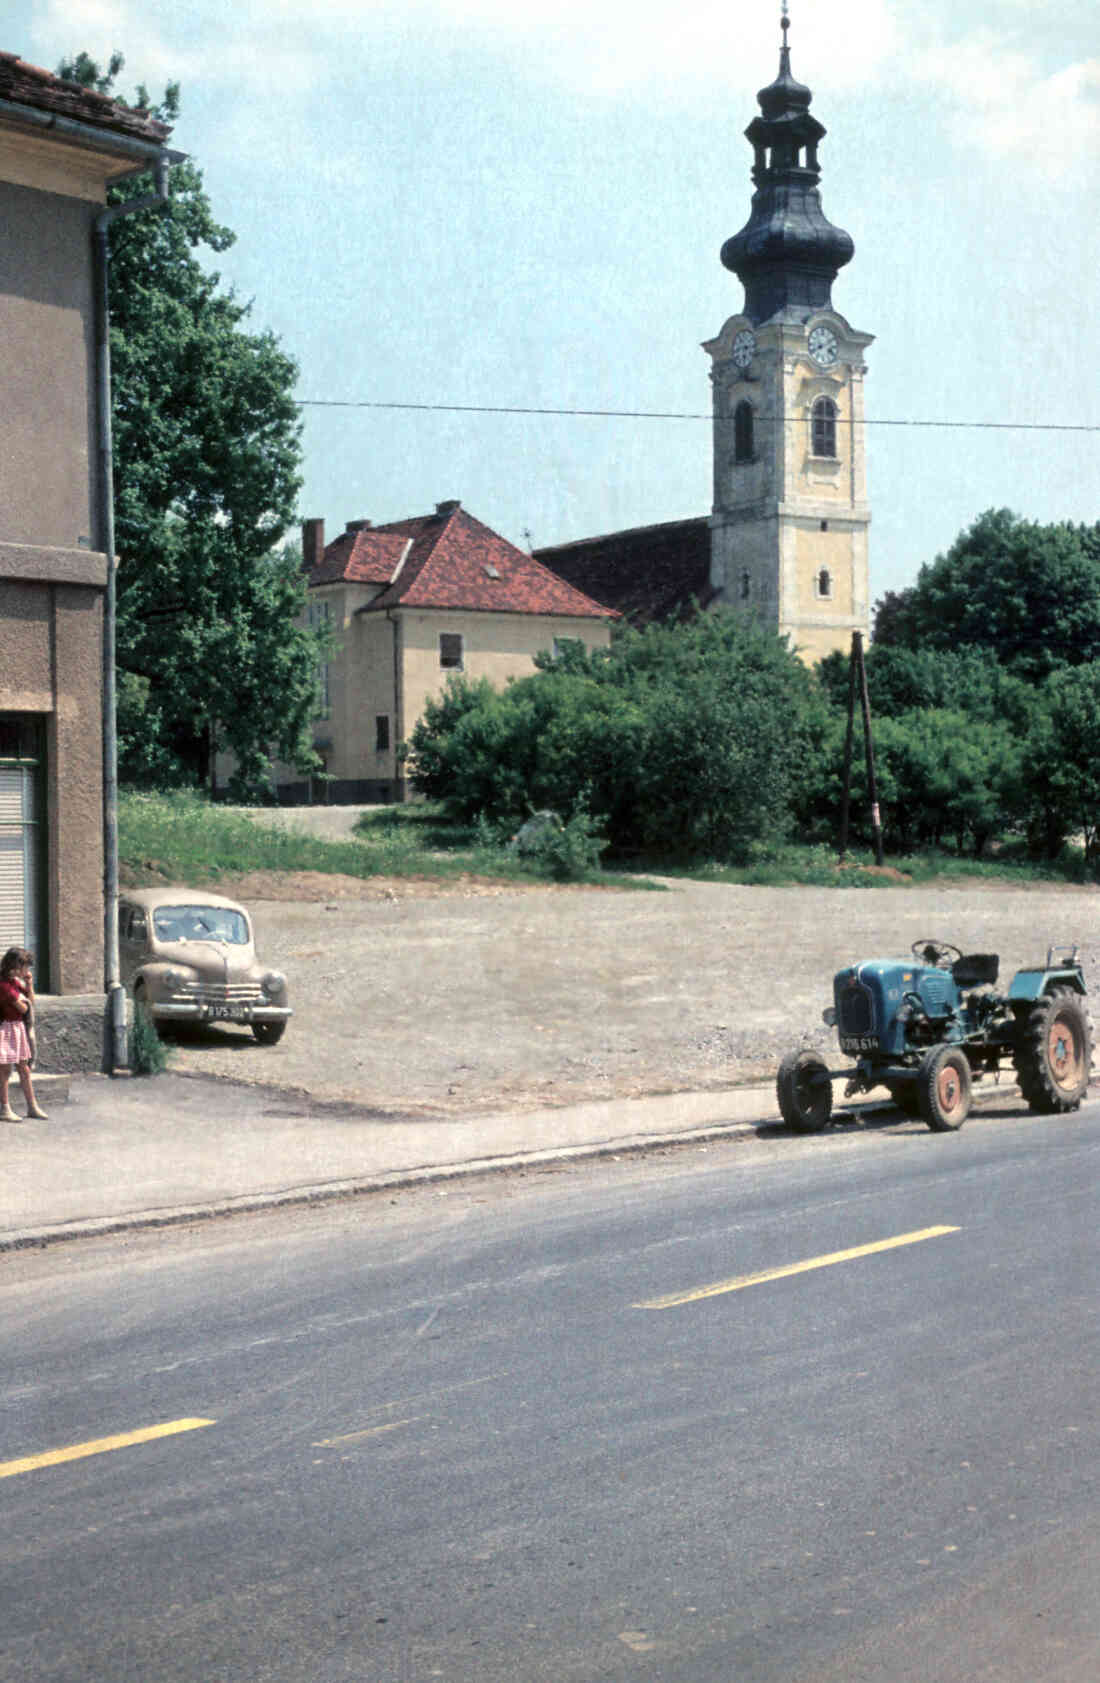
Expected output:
(98, 1446)
(407, 1402)
(743, 1280)
(367, 1432)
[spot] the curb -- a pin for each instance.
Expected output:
(399, 1179)
(391, 1180)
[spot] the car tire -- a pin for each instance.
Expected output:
(268, 1034)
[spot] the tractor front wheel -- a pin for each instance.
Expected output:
(1053, 1053)
(943, 1089)
(804, 1091)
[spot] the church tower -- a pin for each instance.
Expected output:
(790, 518)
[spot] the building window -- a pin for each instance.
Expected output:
(450, 650)
(823, 427)
(381, 733)
(742, 432)
(22, 842)
(823, 582)
(318, 618)
(746, 586)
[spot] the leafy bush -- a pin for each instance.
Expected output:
(569, 851)
(689, 741)
(148, 1053)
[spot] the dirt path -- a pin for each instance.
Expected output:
(460, 1000)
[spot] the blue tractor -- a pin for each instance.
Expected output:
(929, 1026)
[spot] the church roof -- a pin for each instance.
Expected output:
(649, 573)
(451, 560)
(788, 253)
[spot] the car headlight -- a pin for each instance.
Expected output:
(274, 982)
(829, 1015)
(174, 978)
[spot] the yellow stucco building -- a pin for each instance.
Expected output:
(407, 604)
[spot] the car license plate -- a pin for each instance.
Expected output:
(234, 1013)
(859, 1043)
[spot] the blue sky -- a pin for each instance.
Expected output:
(465, 202)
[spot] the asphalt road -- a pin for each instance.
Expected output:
(554, 1427)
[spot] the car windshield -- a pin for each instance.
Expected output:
(200, 923)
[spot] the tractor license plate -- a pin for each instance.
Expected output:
(859, 1043)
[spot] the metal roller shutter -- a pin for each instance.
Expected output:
(18, 858)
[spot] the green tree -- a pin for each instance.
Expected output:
(1061, 769)
(206, 461)
(970, 680)
(942, 776)
(692, 740)
(1029, 591)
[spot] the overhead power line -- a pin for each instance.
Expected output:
(679, 415)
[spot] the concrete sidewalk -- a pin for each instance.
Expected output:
(130, 1153)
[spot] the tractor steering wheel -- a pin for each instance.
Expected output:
(940, 953)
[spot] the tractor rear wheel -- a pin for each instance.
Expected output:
(1053, 1054)
(804, 1091)
(943, 1089)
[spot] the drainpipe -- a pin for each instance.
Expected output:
(398, 694)
(115, 1052)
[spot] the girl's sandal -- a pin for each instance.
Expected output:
(8, 1114)
(38, 1115)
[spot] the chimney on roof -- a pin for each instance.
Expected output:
(313, 544)
(357, 526)
(443, 509)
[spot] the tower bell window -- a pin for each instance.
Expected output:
(823, 427)
(742, 432)
(823, 582)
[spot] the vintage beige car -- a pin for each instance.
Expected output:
(189, 957)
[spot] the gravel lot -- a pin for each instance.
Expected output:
(409, 1000)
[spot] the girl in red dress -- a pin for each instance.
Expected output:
(16, 1012)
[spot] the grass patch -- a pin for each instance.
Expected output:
(817, 866)
(180, 837)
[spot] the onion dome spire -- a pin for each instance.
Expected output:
(788, 253)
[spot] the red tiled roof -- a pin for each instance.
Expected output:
(651, 573)
(368, 556)
(452, 561)
(26, 84)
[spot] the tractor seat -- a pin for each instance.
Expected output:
(974, 970)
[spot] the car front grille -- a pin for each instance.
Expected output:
(220, 993)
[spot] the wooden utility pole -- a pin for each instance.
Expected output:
(857, 670)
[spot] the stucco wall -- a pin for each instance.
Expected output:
(51, 578)
(390, 666)
(495, 646)
(47, 423)
(788, 513)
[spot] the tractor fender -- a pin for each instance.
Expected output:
(1028, 985)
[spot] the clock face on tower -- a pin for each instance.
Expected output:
(823, 346)
(744, 348)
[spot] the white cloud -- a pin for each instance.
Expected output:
(1004, 107)
(997, 99)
